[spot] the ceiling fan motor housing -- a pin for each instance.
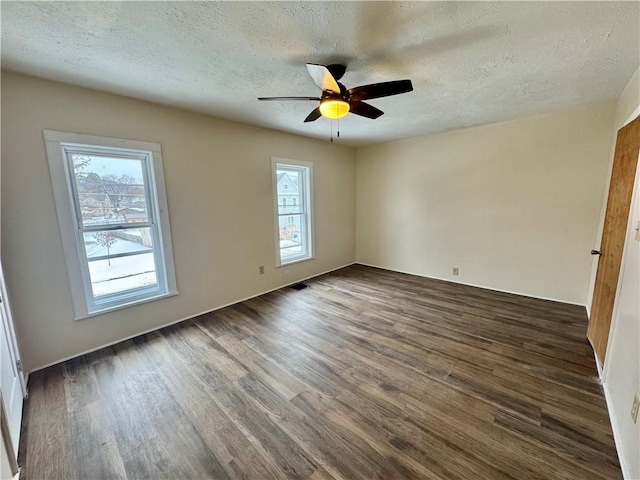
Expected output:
(337, 70)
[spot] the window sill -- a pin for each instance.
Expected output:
(297, 260)
(126, 305)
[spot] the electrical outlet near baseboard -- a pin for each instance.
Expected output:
(635, 406)
(456, 271)
(261, 269)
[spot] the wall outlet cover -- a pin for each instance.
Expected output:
(635, 406)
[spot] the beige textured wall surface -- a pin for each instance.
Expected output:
(629, 100)
(219, 191)
(514, 205)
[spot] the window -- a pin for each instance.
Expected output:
(113, 220)
(293, 219)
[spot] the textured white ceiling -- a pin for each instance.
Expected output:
(470, 62)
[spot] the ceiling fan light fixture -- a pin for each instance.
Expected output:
(334, 108)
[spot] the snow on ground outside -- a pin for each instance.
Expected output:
(289, 248)
(124, 273)
(94, 249)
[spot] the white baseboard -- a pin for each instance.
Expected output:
(183, 319)
(471, 284)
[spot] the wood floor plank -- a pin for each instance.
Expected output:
(219, 432)
(321, 474)
(47, 453)
(177, 433)
(329, 449)
(289, 456)
(92, 442)
(440, 458)
(367, 374)
(598, 461)
(93, 449)
(124, 406)
(81, 388)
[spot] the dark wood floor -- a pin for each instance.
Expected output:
(367, 374)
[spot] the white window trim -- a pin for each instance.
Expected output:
(63, 196)
(308, 199)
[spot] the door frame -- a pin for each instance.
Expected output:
(609, 322)
(6, 440)
(629, 237)
(12, 343)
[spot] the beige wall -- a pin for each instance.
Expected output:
(218, 183)
(629, 100)
(514, 205)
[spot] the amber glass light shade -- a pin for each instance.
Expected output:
(334, 108)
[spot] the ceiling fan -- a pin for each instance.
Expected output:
(336, 101)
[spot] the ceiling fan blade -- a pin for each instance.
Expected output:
(277, 99)
(377, 90)
(323, 78)
(314, 115)
(364, 110)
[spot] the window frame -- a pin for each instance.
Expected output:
(306, 203)
(58, 146)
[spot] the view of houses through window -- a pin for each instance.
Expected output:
(114, 217)
(292, 182)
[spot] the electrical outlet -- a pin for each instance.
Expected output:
(261, 269)
(635, 406)
(456, 271)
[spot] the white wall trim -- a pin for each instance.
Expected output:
(58, 146)
(187, 318)
(471, 284)
(636, 113)
(309, 203)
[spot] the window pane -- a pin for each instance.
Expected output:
(290, 190)
(110, 242)
(110, 189)
(117, 273)
(292, 236)
(292, 217)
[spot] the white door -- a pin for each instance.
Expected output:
(12, 386)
